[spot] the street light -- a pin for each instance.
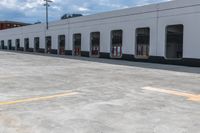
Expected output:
(47, 5)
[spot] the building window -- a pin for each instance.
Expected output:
(116, 43)
(36, 44)
(61, 44)
(95, 43)
(77, 44)
(174, 41)
(26, 44)
(48, 42)
(142, 42)
(9, 44)
(17, 44)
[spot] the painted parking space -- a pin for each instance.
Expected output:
(188, 96)
(39, 98)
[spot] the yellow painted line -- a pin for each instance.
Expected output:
(39, 98)
(189, 96)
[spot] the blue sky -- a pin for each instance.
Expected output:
(33, 10)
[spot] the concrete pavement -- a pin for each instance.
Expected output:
(41, 94)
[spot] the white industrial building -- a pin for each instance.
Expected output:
(162, 33)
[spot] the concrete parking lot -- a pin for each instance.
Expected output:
(43, 94)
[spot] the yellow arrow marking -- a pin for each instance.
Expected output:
(39, 98)
(189, 96)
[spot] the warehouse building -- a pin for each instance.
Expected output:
(161, 33)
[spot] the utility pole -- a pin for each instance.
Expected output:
(47, 5)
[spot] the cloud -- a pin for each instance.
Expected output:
(146, 2)
(33, 10)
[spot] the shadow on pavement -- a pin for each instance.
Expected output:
(175, 68)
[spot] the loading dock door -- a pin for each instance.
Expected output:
(9, 44)
(2, 44)
(95, 44)
(37, 44)
(77, 44)
(48, 45)
(26, 46)
(61, 40)
(17, 44)
(116, 44)
(174, 42)
(142, 42)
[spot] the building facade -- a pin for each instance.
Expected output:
(160, 33)
(11, 24)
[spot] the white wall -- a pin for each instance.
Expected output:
(156, 17)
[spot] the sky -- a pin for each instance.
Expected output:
(33, 10)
